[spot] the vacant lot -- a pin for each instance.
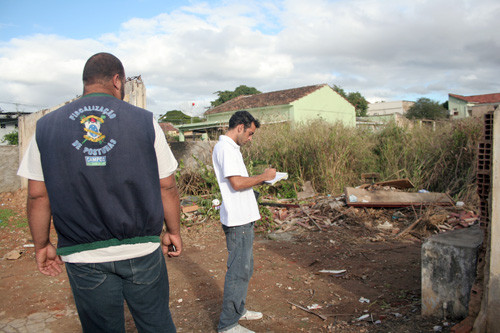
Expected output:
(382, 280)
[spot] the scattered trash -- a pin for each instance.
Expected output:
(459, 204)
(215, 203)
(29, 245)
(378, 322)
(363, 317)
(314, 307)
(381, 198)
(385, 226)
(397, 315)
(397, 215)
(190, 209)
(307, 310)
(13, 255)
(307, 191)
(364, 300)
(423, 191)
(338, 272)
(437, 328)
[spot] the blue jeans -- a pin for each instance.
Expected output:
(239, 241)
(100, 289)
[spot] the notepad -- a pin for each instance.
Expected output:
(279, 176)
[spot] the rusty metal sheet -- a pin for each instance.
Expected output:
(358, 197)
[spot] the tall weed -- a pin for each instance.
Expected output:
(441, 159)
(332, 157)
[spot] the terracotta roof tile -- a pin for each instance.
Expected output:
(167, 127)
(479, 99)
(281, 97)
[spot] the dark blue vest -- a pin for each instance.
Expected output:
(101, 173)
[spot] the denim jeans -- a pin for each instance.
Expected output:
(99, 290)
(239, 241)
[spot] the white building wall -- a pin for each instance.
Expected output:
(386, 108)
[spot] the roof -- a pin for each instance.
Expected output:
(281, 97)
(168, 127)
(479, 99)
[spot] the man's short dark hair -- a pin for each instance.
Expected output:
(243, 117)
(101, 68)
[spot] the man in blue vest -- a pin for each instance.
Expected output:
(238, 212)
(102, 169)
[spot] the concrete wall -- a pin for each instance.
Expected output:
(135, 92)
(9, 163)
(184, 152)
(385, 108)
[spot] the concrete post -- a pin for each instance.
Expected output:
(448, 272)
(493, 287)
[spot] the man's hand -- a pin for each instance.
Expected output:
(239, 183)
(47, 261)
(269, 174)
(169, 239)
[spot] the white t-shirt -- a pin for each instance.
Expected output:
(31, 168)
(238, 207)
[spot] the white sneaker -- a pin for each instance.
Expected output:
(238, 329)
(251, 315)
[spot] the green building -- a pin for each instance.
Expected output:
(297, 105)
(471, 106)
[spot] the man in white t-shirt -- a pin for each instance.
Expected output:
(238, 212)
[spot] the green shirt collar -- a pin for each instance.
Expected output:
(96, 94)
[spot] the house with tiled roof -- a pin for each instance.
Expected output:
(168, 128)
(297, 105)
(472, 106)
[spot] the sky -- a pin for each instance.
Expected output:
(186, 51)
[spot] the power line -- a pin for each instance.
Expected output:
(22, 104)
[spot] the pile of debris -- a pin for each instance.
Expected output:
(386, 208)
(325, 212)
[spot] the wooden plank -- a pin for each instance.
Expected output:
(357, 197)
(397, 183)
(190, 209)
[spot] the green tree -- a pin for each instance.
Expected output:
(340, 91)
(177, 117)
(425, 108)
(12, 138)
(227, 95)
(355, 98)
(359, 102)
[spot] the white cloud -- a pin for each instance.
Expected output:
(387, 50)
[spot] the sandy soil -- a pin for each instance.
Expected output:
(382, 280)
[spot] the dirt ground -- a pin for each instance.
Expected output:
(382, 280)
